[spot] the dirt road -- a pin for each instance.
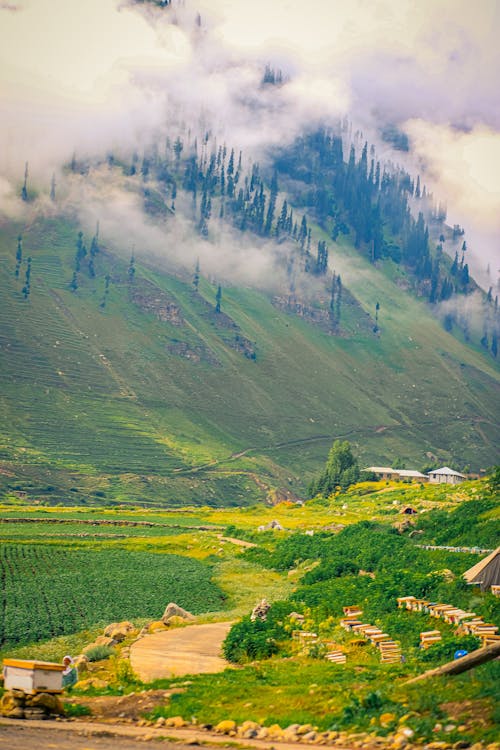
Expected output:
(190, 650)
(26, 736)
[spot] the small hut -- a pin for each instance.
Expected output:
(485, 573)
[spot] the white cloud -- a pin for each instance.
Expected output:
(100, 75)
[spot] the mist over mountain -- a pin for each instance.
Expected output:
(105, 76)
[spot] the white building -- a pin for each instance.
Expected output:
(445, 476)
(412, 475)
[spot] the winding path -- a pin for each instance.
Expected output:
(189, 650)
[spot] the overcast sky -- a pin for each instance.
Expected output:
(104, 74)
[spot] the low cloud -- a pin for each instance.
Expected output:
(107, 75)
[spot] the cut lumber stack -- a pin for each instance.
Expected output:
(429, 637)
(304, 636)
(337, 657)
(390, 652)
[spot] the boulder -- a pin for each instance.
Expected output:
(49, 702)
(91, 682)
(35, 712)
(173, 610)
(226, 726)
(118, 635)
(175, 621)
(260, 610)
(8, 704)
(248, 730)
(109, 628)
(119, 630)
(81, 662)
(103, 640)
(155, 626)
(175, 721)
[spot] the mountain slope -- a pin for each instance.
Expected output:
(146, 394)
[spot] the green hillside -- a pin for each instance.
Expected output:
(155, 398)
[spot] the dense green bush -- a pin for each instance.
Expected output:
(466, 525)
(257, 639)
(445, 649)
(98, 653)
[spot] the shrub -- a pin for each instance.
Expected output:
(98, 653)
(257, 639)
(445, 649)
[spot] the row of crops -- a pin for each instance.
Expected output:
(48, 590)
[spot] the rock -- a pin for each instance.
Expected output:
(160, 721)
(156, 626)
(450, 727)
(35, 712)
(8, 703)
(173, 609)
(81, 662)
(304, 728)
(248, 729)
(275, 731)
(406, 731)
(52, 703)
(461, 745)
(263, 733)
(103, 640)
(16, 713)
(309, 736)
(109, 629)
(175, 621)
(226, 726)
(91, 682)
(386, 719)
(398, 742)
(176, 722)
(260, 610)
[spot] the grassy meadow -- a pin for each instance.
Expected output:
(128, 404)
(79, 568)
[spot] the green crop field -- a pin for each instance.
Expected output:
(50, 590)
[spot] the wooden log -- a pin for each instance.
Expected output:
(480, 656)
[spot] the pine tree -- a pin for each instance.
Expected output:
(218, 298)
(19, 255)
(272, 204)
(375, 327)
(341, 470)
(53, 188)
(24, 190)
(494, 344)
(196, 275)
(131, 270)
(27, 286)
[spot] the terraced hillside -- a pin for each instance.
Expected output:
(145, 394)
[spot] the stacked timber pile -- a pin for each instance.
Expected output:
(390, 650)
(468, 623)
